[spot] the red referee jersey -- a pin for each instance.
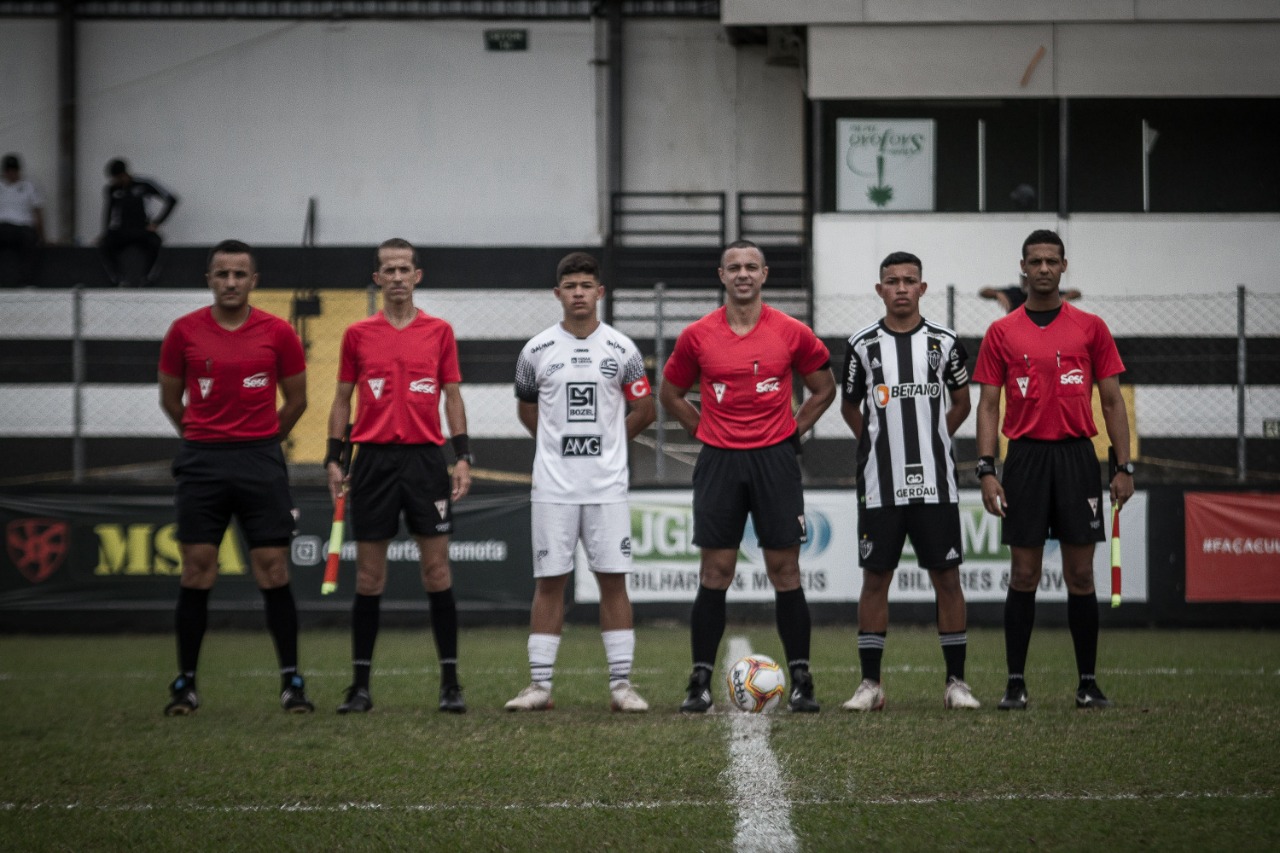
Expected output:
(745, 380)
(399, 376)
(231, 375)
(1048, 373)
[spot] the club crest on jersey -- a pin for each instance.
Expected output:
(206, 385)
(625, 547)
(376, 386)
(864, 548)
(935, 358)
(1022, 384)
(719, 388)
(768, 386)
(425, 385)
(608, 367)
(582, 402)
(442, 508)
(257, 380)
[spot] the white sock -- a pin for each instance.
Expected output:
(542, 657)
(619, 651)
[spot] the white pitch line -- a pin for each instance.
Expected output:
(630, 805)
(758, 791)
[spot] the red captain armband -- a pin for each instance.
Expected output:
(636, 390)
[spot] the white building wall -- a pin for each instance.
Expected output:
(29, 105)
(1107, 254)
(407, 128)
(703, 116)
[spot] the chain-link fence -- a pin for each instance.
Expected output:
(78, 393)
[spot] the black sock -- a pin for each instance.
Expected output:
(1082, 619)
(444, 626)
(706, 626)
(870, 652)
(954, 648)
(191, 619)
(282, 622)
(1019, 619)
(365, 614)
(791, 611)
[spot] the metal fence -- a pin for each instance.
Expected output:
(78, 367)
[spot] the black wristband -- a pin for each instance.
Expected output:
(461, 444)
(333, 452)
(986, 466)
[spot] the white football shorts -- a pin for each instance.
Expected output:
(604, 529)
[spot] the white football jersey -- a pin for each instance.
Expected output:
(581, 386)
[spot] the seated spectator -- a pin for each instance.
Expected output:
(1012, 297)
(21, 220)
(126, 222)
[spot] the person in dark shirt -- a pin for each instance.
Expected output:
(1012, 297)
(127, 223)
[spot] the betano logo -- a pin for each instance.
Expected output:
(148, 550)
(884, 394)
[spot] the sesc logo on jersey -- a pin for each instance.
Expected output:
(582, 402)
(425, 385)
(257, 380)
(580, 445)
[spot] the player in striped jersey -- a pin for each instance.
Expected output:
(895, 375)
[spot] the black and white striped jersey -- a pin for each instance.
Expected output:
(901, 382)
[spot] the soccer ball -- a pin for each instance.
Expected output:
(756, 684)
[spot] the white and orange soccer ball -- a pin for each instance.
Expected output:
(756, 684)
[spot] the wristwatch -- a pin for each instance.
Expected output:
(1126, 468)
(986, 466)
(468, 458)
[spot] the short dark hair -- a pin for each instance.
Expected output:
(577, 262)
(394, 243)
(232, 247)
(896, 258)
(743, 244)
(117, 167)
(11, 161)
(1043, 237)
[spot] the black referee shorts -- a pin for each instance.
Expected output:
(387, 479)
(729, 484)
(247, 479)
(1054, 491)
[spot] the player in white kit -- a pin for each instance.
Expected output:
(583, 394)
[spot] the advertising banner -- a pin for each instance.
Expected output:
(885, 164)
(1233, 546)
(666, 560)
(121, 552)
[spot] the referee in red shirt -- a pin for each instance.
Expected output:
(401, 363)
(1046, 357)
(229, 360)
(742, 356)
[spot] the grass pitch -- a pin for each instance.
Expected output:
(1190, 760)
